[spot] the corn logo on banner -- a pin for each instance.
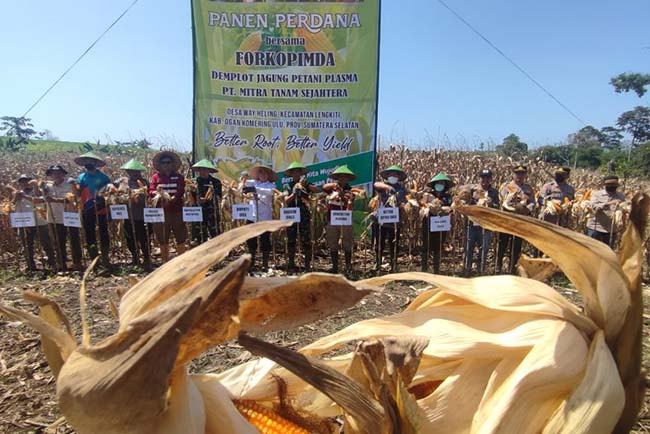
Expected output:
(281, 81)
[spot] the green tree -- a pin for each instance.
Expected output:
(612, 138)
(561, 155)
(587, 137)
(631, 82)
(637, 123)
(18, 132)
(513, 147)
(591, 158)
(641, 160)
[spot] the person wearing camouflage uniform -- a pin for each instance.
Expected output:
(296, 195)
(560, 191)
(516, 196)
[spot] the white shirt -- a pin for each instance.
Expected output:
(57, 192)
(25, 205)
(264, 201)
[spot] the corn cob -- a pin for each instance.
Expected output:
(252, 42)
(265, 419)
(316, 42)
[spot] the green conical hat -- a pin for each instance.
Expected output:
(133, 164)
(296, 166)
(205, 164)
(439, 177)
(401, 175)
(343, 172)
(90, 158)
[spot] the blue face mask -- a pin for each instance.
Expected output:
(439, 187)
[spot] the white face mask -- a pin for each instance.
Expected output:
(392, 180)
(439, 187)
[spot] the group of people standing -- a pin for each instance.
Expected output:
(167, 189)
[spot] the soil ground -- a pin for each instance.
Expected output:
(27, 387)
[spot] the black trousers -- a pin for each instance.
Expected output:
(62, 234)
(432, 245)
(90, 222)
(265, 241)
(209, 227)
(28, 236)
(136, 233)
(388, 233)
(305, 239)
(508, 243)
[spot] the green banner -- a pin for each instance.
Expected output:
(276, 82)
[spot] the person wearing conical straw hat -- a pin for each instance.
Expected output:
(438, 204)
(208, 195)
(135, 230)
(340, 198)
(600, 224)
(56, 193)
(296, 195)
(94, 214)
(392, 194)
(519, 197)
(167, 188)
(28, 199)
(261, 186)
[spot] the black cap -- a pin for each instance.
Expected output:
(520, 168)
(485, 172)
(564, 169)
(55, 168)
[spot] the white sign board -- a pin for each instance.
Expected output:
(22, 220)
(291, 214)
(154, 215)
(388, 215)
(119, 212)
(341, 218)
(440, 223)
(192, 214)
(71, 220)
(242, 212)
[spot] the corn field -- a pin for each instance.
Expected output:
(420, 165)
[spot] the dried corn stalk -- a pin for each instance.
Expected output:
(490, 354)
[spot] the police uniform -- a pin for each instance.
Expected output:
(507, 241)
(604, 203)
(476, 235)
(557, 191)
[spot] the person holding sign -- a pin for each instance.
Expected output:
(296, 195)
(262, 188)
(436, 223)
(516, 196)
(481, 194)
(56, 193)
(135, 230)
(392, 194)
(166, 189)
(208, 196)
(27, 198)
(94, 212)
(340, 197)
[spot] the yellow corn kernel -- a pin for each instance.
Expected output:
(265, 419)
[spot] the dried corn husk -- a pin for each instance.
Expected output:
(490, 354)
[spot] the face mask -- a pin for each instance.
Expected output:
(611, 189)
(392, 180)
(90, 167)
(559, 178)
(439, 187)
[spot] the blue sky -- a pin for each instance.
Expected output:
(439, 82)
